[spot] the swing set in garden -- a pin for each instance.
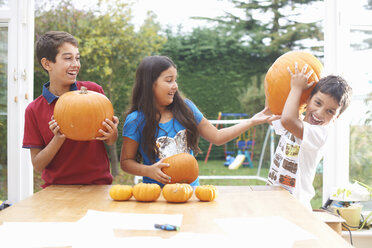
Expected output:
(244, 147)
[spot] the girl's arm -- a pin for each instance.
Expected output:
(224, 135)
(129, 164)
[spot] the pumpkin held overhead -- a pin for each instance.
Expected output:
(277, 80)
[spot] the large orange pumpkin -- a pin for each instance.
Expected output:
(278, 79)
(80, 113)
(177, 192)
(146, 192)
(183, 168)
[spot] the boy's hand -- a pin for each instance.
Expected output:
(111, 134)
(53, 126)
(299, 78)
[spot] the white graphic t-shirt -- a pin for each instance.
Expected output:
(295, 160)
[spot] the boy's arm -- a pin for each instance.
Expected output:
(42, 157)
(290, 115)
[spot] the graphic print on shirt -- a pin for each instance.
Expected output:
(273, 174)
(284, 168)
(278, 159)
(290, 166)
(291, 148)
(170, 146)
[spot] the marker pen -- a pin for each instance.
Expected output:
(167, 227)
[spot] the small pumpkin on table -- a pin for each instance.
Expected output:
(177, 192)
(121, 192)
(146, 192)
(206, 192)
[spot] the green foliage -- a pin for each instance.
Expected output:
(361, 153)
(252, 98)
(270, 28)
(3, 110)
(213, 68)
(111, 51)
(110, 47)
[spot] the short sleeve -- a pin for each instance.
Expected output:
(133, 126)
(32, 137)
(278, 127)
(314, 136)
(197, 114)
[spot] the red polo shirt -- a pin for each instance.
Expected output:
(76, 162)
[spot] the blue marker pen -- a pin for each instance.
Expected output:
(167, 227)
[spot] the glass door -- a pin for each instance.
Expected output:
(3, 109)
(359, 71)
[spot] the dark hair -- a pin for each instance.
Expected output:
(48, 44)
(336, 87)
(143, 100)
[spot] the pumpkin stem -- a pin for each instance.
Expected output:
(83, 90)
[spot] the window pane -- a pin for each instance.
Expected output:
(360, 74)
(3, 4)
(3, 111)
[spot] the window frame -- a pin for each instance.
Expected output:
(20, 20)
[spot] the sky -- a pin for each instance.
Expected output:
(173, 12)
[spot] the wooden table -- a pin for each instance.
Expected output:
(70, 203)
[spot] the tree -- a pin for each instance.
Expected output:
(212, 68)
(109, 45)
(270, 28)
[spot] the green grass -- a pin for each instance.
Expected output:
(217, 168)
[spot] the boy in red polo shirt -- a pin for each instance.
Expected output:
(61, 160)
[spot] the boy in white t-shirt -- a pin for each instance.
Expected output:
(301, 145)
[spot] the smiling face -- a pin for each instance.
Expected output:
(321, 109)
(165, 87)
(64, 70)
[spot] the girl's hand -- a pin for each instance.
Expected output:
(299, 78)
(112, 130)
(265, 116)
(157, 174)
(53, 126)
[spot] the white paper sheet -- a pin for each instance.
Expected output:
(268, 231)
(130, 221)
(37, 234)
(95, 229)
